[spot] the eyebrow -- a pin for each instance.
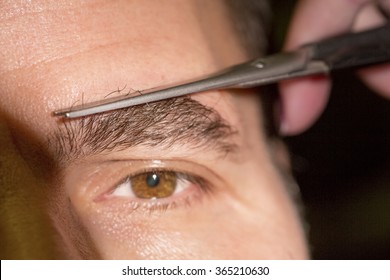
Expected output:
(165, 124)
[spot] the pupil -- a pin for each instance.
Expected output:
(152, 180)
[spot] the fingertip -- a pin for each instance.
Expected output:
(302, 102)
(377, 78)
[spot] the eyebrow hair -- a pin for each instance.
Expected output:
(178, 121)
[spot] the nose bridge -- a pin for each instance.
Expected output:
(26, 229)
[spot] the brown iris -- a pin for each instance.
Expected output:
(154, 184)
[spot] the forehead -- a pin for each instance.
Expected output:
(56, 53)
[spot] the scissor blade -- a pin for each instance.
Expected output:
(258, 72)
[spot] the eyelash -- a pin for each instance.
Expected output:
(198, 187)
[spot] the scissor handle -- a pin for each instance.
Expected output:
(354, 49)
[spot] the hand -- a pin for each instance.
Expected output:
(303, 100)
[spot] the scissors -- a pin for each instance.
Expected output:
(351, 50)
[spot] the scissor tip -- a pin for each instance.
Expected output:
(64, 114)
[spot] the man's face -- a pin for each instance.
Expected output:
(179, 179)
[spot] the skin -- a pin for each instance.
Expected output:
(55, 53)
(303, 100)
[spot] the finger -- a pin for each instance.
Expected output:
(376, 78)
(303, 100)
(317, 19)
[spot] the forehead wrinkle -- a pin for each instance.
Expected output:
(173, 122)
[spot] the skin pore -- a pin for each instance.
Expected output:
(229, 201)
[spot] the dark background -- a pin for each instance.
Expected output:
(342, 165)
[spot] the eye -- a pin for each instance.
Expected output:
(153, 184)
(140, 186)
